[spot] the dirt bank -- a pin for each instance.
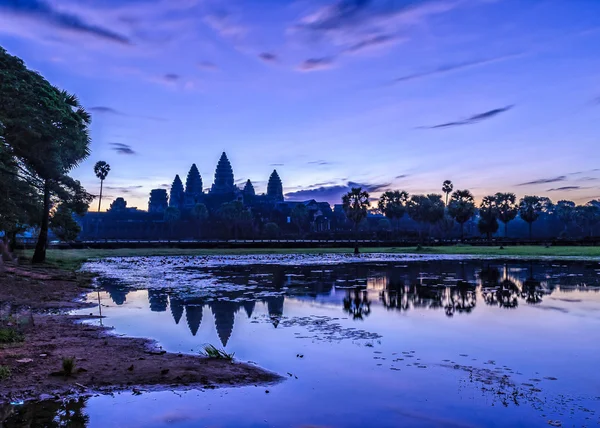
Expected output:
(103, 362)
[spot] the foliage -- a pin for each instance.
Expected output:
(447, 188)
(68, 365)
(200, 212)
(10, 335)
(506, 204)
(461, 208)
(44, 134)
(426, 208)
(101, 169)
(299, 216)
(211, 351)
(5, 372)
(530, 209)
(393, 204)
(356, 204)
(565, 210)
(172, 215)
(271, 230)
(63, 225)
(488, 216)
(587, 217)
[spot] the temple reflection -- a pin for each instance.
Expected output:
(450, 286)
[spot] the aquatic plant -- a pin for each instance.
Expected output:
(4, 372)
(68, 365)
(10, 335)
(211, 351)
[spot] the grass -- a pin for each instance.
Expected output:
(10, 335)
(73, 259)
(212, 351)
(4, 372)
(68, 365)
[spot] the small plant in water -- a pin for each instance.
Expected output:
(211, 351)
(68, 365)
(4, 372)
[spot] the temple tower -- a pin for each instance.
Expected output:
(223, 176)
(248, 192)
(275, 188)
(159, 201)
(193, 187)
(177, 193)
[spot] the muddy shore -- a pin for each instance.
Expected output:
(103, 362)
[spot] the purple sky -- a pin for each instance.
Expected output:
(495, 95)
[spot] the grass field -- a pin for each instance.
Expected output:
(73, 259)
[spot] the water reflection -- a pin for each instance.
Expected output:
(450, 286)
(52, 414)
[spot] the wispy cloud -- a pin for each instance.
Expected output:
(449, 68)
(473, 119)
(123, 149)
(42, 12)
(124, 189)
(333, 193)
(267, 57)
(109, 111)
(372, 42)
(398, 177)
(207, 65)
(320, 162)
(544, 180)
(315, 64)
(565, 189)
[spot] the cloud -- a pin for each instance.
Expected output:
(564, 189)
(315, 64)
(222, 22)
(124, 189)
(207, 65)
(268, 57)
(106, 110)
(42, 12)
(332, 193)
(320, 162)
(276, 164)
(544, 181)
(171, 77)
(376, 41)
(401, 176)
(473, 119)
(123, 149)
(449, 68)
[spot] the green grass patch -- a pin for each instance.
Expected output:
(74, 259)
(68, 365)
(212, 351)
(5, 372)
(10, 335)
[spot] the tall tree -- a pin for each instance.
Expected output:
(587, 217)
(530, 209)
(45, 131)
(299, 217)
(393, 205)
(488, 216)
(425, 209)
(356, 204)
(447, 188)
(63, 225)
(101, 169)
(506, 204)
(200, 214)
(565, 211)
(436, 208)
(462, 209)
(172, 216)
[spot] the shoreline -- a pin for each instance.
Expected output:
(104, 362)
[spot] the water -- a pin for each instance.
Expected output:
(380, 341)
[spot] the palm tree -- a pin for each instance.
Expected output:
(101, 169)
(530, 208)
(393, 204)
(356, 204)
(488, 216)
(462, 208)
(447, 188)
(425, 209)
(506, 204)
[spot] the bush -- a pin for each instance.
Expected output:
(9, 335)
(4, 372)
(68, 365)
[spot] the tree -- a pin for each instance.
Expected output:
(63, 225)
(435, 211)
(393, 205)
(200, 214)
(356, 204)
(565, 210)
(425, 209)
(461, 208)
(45, 132)
(530, 209)
(271, 230)
(172, 216)
(101, 169)
(506, 204)
(447, 188)
(299, 217)
(488, 216)
(233, 213)
(587, 217)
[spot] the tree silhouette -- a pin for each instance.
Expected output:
(355, 204)
(393, 205)
(101, 169)
(565, 210)
(506, 204)
(447, 188)
(299, 217)
(462, 208)
(488, 216)
(172, 216)
(425, 209)
(530, 209)
(200, 214)
(587, 217)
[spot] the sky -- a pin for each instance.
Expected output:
(495, 95)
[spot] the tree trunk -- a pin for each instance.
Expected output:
(100, 198)
(39, 256)
(356, 239)
(462, 232)
(506, 229)
(530, 234)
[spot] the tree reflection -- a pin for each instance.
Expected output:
(51, 414)
(462, 298)
(357, 303)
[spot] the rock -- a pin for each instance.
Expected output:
(25, 360)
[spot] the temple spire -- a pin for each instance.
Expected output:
(177, 194)
(275, 187)
(223, 176)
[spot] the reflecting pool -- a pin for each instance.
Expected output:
(378, 340)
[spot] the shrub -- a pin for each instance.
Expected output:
(211, 351)
(68, 365)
